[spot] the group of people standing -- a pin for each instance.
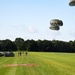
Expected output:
(20, 53)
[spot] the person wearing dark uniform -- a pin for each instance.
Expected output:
(19, 53)
(26, 53)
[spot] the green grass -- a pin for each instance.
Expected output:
(48, 64)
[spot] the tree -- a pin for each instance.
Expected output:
(19, 43)
(7, 45)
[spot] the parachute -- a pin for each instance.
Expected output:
(72, 3)
(55, 24)
(54, 27)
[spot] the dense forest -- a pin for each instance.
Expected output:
(39, 45)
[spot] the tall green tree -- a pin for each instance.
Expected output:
(7, 45)
(19, 43)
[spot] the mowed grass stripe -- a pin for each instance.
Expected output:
(4, 60)
(57, 68)
(45, 67)
(42, 69)
(48, 64)
(28, 70)
(60, 66)
(8, 70)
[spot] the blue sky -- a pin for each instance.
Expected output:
(30, 19)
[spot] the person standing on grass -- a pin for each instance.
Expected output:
(26, 53)
(19, 53)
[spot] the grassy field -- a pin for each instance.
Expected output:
(45, 64)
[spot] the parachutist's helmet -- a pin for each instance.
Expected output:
(72, 3)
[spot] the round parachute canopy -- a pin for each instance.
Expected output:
(54, 27)
(56, 22)
(72, 3)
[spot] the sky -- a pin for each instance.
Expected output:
(30, 19)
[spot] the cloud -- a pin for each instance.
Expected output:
(26, 28)
(72, 33)
(55, 33)
(74, 17)
(32, 29)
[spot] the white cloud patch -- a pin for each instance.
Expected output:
(74, 17)
(26, 28)
(72, 33)
(32, 29)
(55, 33)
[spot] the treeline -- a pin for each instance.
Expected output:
(39, 45)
